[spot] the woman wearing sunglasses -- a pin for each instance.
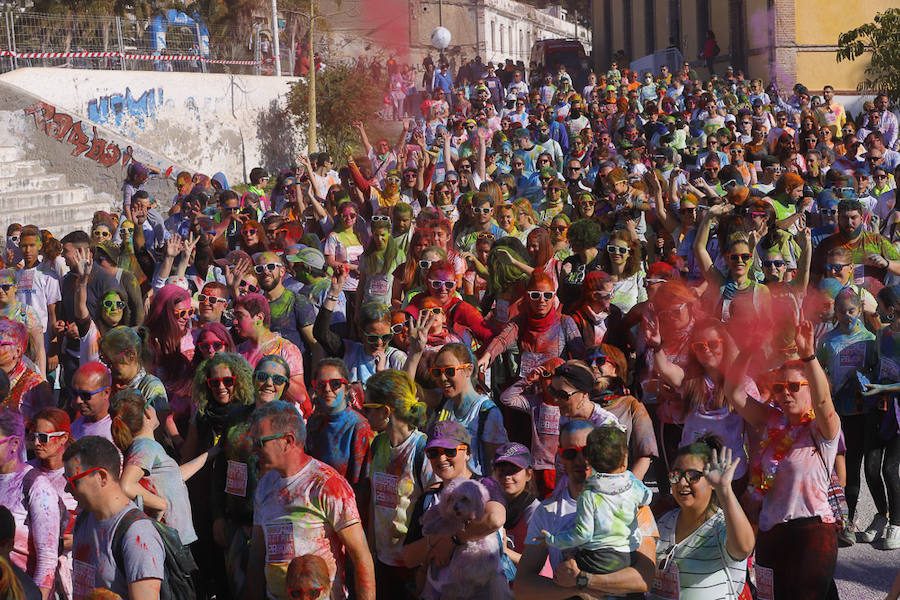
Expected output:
(622, 260)
(336, 433)
(791, 470)
(212, 338)
(377, 265)
(111, 311)
(252, 237)
(449, 453)
(11, 308)
(399, 471)
(596, 317)
(410, 277)
(442, 286)
(540, 331)
(344, 246)
(235, 474)
(705, 542)
(169, 323)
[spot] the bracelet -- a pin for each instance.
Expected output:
(809, 358)
(455, 540)
(332, 298)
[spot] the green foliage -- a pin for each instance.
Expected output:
(343, 95)
(880, 42)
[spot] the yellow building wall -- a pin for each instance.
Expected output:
(638, 30)
(618, 27)
(758, 67)
(818, 69)
(661, 8)
(691, 39)
(757, 19)
(820, 22)
(720, 24)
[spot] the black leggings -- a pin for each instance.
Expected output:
(854, 428)
(882, 465)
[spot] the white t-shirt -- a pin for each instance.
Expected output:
(38, 290)
(82, 427)
(302, 514)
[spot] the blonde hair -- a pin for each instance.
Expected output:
(397, 390)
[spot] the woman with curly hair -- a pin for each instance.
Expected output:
(622, 260)
(252, 237)
(400, 473)
(11, 308)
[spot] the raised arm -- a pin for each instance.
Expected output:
(801, 280)
(357, 177)
(703, 258)
(720, 473)
(362, 136)
(827, 421)
(669, 371)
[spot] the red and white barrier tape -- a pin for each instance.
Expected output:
(163, 57)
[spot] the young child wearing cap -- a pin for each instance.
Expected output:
(606, 532)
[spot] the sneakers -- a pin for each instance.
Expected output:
(891, 539)
(874, 531)
(847, 536)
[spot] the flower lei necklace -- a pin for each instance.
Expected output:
(780, 438)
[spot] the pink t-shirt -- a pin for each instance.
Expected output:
(801, 483)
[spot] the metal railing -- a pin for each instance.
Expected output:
(30, 39)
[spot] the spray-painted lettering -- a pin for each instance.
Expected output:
(118, 108)
(65, 129)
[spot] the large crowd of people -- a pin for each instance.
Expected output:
(638, 339)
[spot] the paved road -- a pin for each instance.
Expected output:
(864, 572)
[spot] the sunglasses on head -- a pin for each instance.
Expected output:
(691, 475)
(270, 267)
(570, 452)
(433, 453)
(793, 387)
(209, 347)
(707, 345)
(448, 372)
(215, 382)
(323, 385)
(109, 304)
(374, 338)
(620, 250)
(437, 284)
(276, 378)
(183, 312)
(740, 257)
(538, 294)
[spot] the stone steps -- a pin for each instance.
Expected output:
(32, 183)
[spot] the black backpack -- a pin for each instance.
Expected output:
(178, 583)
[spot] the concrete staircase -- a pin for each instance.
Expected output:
(30, 195)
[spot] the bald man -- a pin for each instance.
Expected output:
(90, 392)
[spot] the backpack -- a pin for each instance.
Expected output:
(180, 567)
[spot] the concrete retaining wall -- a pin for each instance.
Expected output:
(200, 122)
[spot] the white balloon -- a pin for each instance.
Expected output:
(440, 37)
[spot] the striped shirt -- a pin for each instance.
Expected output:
(702, 559)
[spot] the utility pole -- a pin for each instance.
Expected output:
(276, 45)
(311, 134)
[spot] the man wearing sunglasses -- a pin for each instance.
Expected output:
(302, 506)
(292, 314)
(557, 514)
(482, 223)
(873, 250)
(92, 470)
(90, 392)
(211, 303)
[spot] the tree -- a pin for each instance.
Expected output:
(344, 94)
(880, 40)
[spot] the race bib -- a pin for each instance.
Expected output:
(830, 118)
(666, 583)
(83, 582)
(26, 281)
(387, 490)
(765, 582)
(236, 479)
(280, 542)
(379, 286)
(501, 310)
(548, 422)
(529, 361)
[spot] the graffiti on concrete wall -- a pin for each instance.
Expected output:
(122, 108)
(66, 130)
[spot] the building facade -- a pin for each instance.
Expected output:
(776, 40)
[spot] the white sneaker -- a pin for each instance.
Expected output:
(874, 531)
(891, 539)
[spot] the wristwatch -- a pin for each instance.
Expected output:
(582, 580)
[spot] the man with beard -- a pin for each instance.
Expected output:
(575, 182)
(292, 314)
(866, 248)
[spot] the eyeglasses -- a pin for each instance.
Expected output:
(437, 284)
(484, 210)
(435, 310)
(448, 372)
(793, 387)
(276, 378)
(7, 286)
(620, 250)
(208, 347)
(598, 360)
(184, 312)
(433, 453)
(559, 228)
(538, 294)
(691, 475)
(82, 475)
(561, 394)
(829, 212)
(126, 230)
(108, 304)
(270, 267)
(323, 385)
(774, 263)
(570, 452)
(392, 179)
(398, 328)
(740, 257)
(486, 235)
(707, 345)
(248, 286)
(204, 299)
(44, 438)
(85, 395)
(385, 338)
(216, 382)
(381, 219)
(99, 234)
(836, 267)
(258, 442)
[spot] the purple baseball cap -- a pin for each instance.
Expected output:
(514, 453)
(447, 434)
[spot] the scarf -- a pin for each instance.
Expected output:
(532, 329)
(515, 508)
(216, 417)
